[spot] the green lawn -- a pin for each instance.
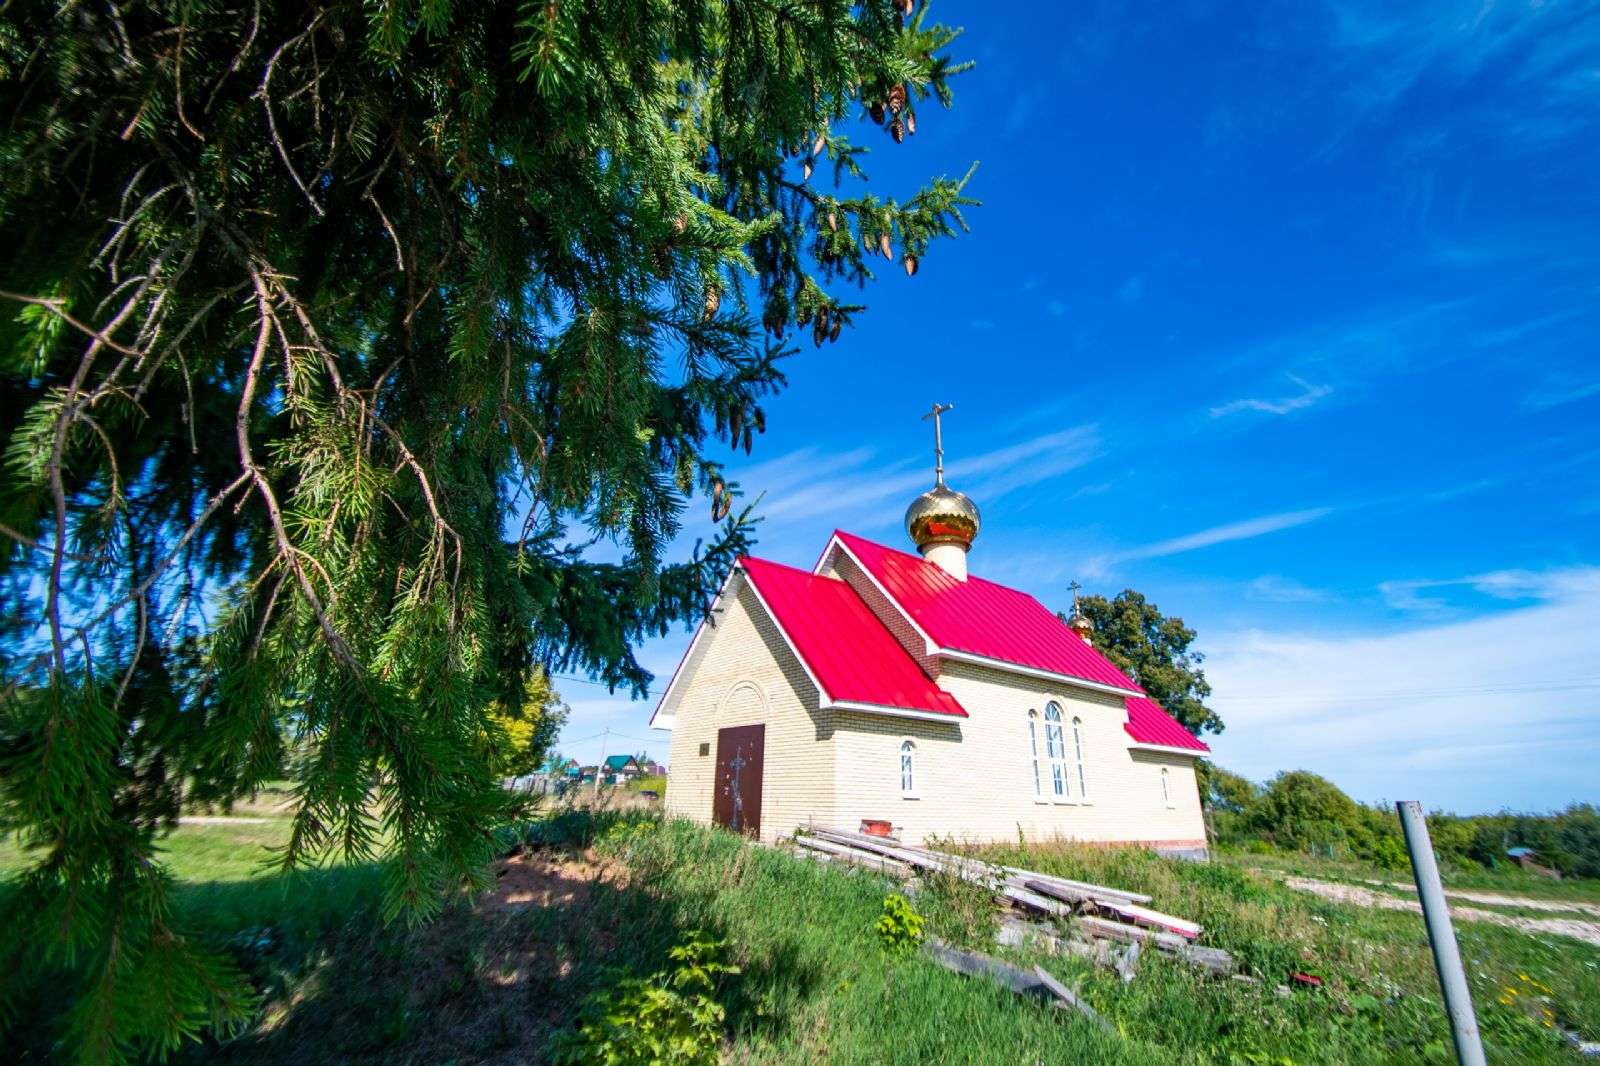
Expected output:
(502, 981)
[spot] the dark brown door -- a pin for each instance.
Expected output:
(737, 800)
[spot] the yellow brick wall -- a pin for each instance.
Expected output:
(974, 778)
(747, 675)
(974, 781)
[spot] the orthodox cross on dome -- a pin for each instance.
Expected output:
(938, 440)
(1079, 621)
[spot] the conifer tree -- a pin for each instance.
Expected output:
(332, 336)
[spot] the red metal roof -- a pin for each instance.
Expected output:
(841, 641)
(1149, 723)
(982, 618)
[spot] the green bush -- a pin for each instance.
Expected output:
(899, 927)
(672, 1016)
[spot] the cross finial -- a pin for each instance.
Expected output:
(938, 440)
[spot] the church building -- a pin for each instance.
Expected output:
(884, 687)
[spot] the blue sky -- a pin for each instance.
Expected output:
(1283, 315)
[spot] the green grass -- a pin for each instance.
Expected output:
(502, 982)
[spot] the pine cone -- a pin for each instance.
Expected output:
(897, 130)
(806, 171)
(883, 246)
(904, 6)
(911, 122)
(877, 112)
(833, 220)
(817, 333)
(822, 318)
(897, 99)
(833, 334)
(911, 266)
(820, 144)
(680, 224)
(713, 302)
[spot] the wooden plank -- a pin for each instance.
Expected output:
(1101, 891)
(1071, 999)
(972, 964)
(1129, 933)
(858, 858)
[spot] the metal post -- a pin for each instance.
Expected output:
(1446, 954)
(599, 768)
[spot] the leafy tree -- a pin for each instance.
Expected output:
(519, 738)
(340, 332)
(1153, 649)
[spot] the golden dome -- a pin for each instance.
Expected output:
(942, 516)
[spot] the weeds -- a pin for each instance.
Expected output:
(899, 927)
(672, 1016)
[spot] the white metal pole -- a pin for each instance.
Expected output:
(599, 767)
(1446, 953)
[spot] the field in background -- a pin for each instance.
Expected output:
(601, 895)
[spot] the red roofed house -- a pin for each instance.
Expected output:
(882, 686)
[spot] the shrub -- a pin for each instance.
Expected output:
(672, 1016)
(899, 927)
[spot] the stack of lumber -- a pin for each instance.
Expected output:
(1098, 911)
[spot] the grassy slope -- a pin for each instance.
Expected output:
(499, 985)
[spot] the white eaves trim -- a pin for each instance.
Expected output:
(670, 720)
(1030, 671)
(1168, 749)
(893, 712)
(658, 720)
(822, 694)
(934, 648)
(929, 643)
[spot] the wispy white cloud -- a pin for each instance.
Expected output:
(849, 485)
(1411, 594)
(1277, 589)
(1223, 534)
(1499, 710)
(1559, 393)
(1531, 64)
(1283, 405)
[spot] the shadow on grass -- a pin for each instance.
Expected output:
(491, 980)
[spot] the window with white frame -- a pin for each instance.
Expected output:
(908, 769)
(1055, 746)
(1033, 754)
(1078, 771)
(1166, 787)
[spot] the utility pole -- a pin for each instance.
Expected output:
(1446, 952)
(599, 767)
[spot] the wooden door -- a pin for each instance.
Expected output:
(736, 803)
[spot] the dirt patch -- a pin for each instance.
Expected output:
(540, 881)
(1501, 900)
(1588, 932)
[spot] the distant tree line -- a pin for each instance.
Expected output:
(1302, 812)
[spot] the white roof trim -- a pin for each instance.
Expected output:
(1168, 749)
(700, 631)
(822, 694)
(1030, 671)
(894, 712)
(931, 645)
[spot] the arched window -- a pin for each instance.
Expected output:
(1166, 787)
(1077, 758)
(1055, 746)
(1033, 754)
(908, 769)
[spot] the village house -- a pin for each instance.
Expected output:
(885, 687)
